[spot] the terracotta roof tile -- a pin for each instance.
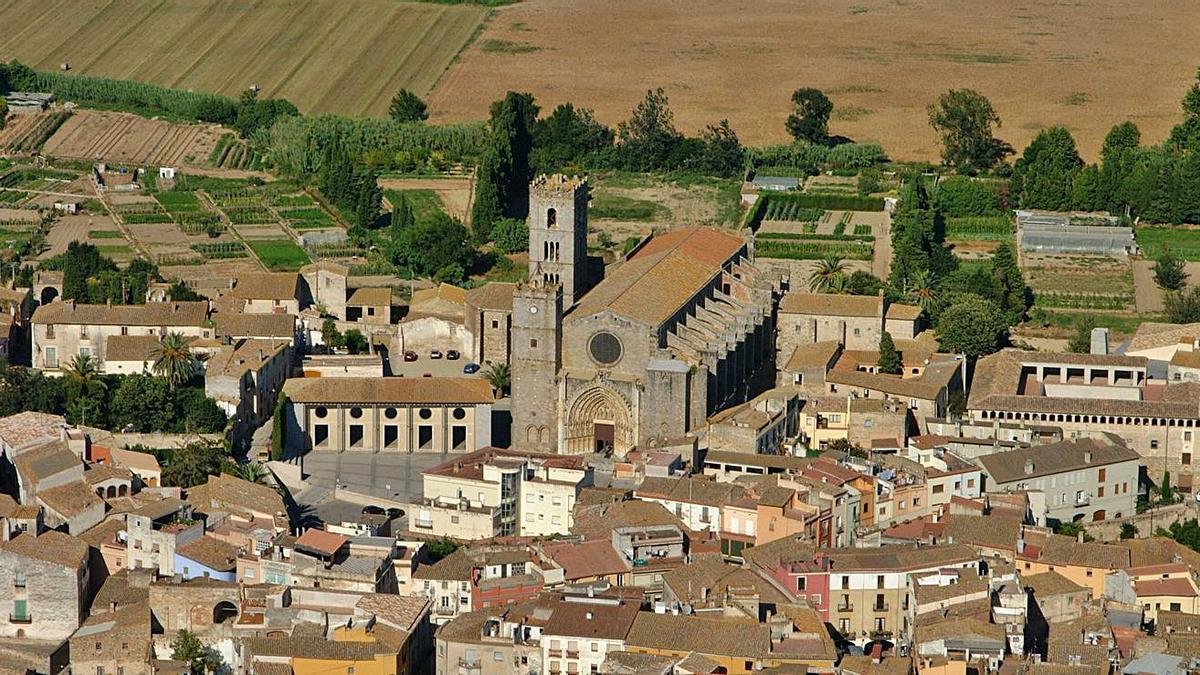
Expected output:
(398, 390)
(52, 547)
(169, 314)
(321, 542)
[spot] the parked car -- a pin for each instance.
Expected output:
(410, 356)
(435, 354)
(471, 368)
(427, 375)
(453, 354)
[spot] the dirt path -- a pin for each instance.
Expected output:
(881, 264)
(1147, 295)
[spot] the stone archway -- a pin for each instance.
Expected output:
(599, 421)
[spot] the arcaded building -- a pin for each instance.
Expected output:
(682, 328)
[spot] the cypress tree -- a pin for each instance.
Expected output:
(889, 358)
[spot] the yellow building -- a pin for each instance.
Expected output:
(1085, 563)
(1170, 587)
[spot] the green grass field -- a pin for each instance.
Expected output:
(617, 207)
(1184, 243)
(279, 255)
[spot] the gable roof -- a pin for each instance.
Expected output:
(830, 304)
(662, 276)
(51, 546)
(494, 295)
(169, 314)
(130, 347)
(592, 620)
(1045, 460)
(224, 492)
(396, 390)
(266, 286)
(321, 542)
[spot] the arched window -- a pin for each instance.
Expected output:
(551, 218)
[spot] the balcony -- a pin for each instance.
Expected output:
(1083, 499)
(879, 607)
(556, 653)
(573, 654)
(846, 607)
(20, 618)
(425, 524)
(443, 611)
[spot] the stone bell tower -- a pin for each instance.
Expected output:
(558, 224)
(536, 358)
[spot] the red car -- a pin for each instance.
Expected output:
(410, 356)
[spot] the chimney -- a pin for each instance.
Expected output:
(1079, 537)
(1029, 467)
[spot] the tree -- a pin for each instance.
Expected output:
(355, 342)
(440, 548)
(568, 135)
(279, 426)
(870, 181)
(1081, 341)
(648, 138)
(1128, 530)
(502, 179)
(407, 107)
(972, 326)
(922, 291)
(964, 196)
(331, 337)
(809, 120)
(85, 391)
(1015, 296)
(1073, 530)
(254, 114)
(1118, 157)
(80, 263)
(863, 283)
(828, 274)
(1186, 134)
(499, 375)
(889, 359)
(251, 472)
(192, 464)
(1044, 176)
(719, 152)
(402, 213)
(1182, 306)
(1166, 495)
(144, 404)
(511, 235)
(174, 359)
(181, 292)
(3, 112)
(431, 245)
(188, 648)
(964, 119)
(197, 412)
(1170, 273)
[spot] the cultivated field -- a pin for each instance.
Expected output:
(323, 55)
(880, 61)
(121, 137)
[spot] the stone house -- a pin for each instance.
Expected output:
(436, 320)
(156, 531)
(371, 306)
(44, 582)
(853, 321)
(113, 640)
(62, 330)
(758, 426)
(245, 378)
(489, 320)
(268, 293)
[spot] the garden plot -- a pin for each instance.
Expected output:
(261, 231)
(454, 193)
(74, 228)
(1095, 283)
(123, 137)
(978, 236)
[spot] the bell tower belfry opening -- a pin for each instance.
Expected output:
(558, 224)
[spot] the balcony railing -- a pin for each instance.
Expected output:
(556, 653)
(1083, 499)
(846, 607)
(427, 524)
(573, 654)
(880, 607)
(20, 618)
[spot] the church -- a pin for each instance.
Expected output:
(681, 328)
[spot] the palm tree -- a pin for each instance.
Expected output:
(174, 360)
(83, 373)
(922, 290)
(825, 277)
(252, 472)
(499, 375)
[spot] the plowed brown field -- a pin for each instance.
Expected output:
(1086, 64)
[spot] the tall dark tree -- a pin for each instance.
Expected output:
(720, 153)
(889, 359)
(972, 326)
(648, 138)
(1186, 134)
(402, 213)
(1117, 159)
(81, 263)
(1044, 176)
(511, 124)
(1081, 340)
(1015, 296)
(809, 120)
(407, 107)
(964, 118)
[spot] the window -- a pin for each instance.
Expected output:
(1100, 491)
(843, 626)
(1175, 606)
(19, 579)
(320, 434)
(801, 583)
(845, 583)
(970, 482)
(20, 611)
(249, 573)
(1187, 435)
(1186, 458)
(533, 343)
(1153, 445)
(495, 323)
(50, 331)
(356, 435)
(857, 332)
(51, 357)
(879, 582)
(497, 656)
